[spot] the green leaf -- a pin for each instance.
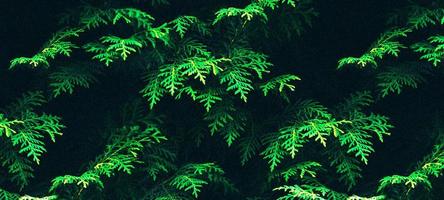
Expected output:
(66, 79)
(123, 46)
(246, 14)
(386, 44)
(395, 79)
(279, 83)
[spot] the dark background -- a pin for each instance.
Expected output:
(343, 28)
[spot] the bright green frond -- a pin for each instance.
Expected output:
(279, 83)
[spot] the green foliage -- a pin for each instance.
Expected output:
(183, 23)
(30, 128)
(190, 177)
(387, 44)
(199, 64)
(209, 98)
(159, 160)
(279, 83)
(120, 155)
(305, 192)
(219, 63)
(133, 16)
(300, 170)
(66, 79)
(19, 168)
(121, 46)
(226, 120)
(92, 17)
(83, 180)
(199, 68)
(175, 78)
(274, 3)
(347, 166)
(355, 102)
(431, 166)
(249, 146)
(246, 14)
(101, 54)
(57, 45)
(410, 181)
(153, 90)
(288, 23)
(394, 79)
(356, 136)
(432, 50)
(30, 134)
(27, 132)
(27, 102)
(5, 126)
(5, 195)
(274, 152)
(238, 74)
(315, 191)
(252, 10)
(311, 120)
(421, 17)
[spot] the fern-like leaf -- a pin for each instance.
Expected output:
(66, 79)
(279, 83)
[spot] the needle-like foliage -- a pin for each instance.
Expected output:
(203, 70)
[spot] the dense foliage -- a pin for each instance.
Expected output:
(202, 110)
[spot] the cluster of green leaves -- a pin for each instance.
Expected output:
(171, 78)
(308, 119)
(192, 60)
(412, 18)
(307, 187)
(238, 76)
(183, 24)
(432, 50)
(66, 79)
(395, 79)
(120, 155)
(25, 136)
(12, 196)
(252, 10)
(357, 136)
(431, 166)
(311, 120)
(226, 120)
(318, 191)
(387, 44)
(198, 63)
(406, 74)
(188, 181)
(215, 71)
(417, 17)
(188, 178)
(59, 44)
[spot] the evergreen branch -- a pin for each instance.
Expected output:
(300, 170)
(432, 50)
(246, 14)
(249, 146)
(387, 44)
(57, 45)
(65, 79)
(279, 83)
(396, 78)
(183, 23)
